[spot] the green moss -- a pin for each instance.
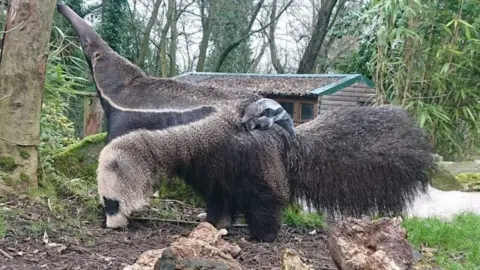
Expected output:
(302, 221)
(24, 177)
(24, 154)
(444, 180)
(3, 225)
(80, 160)
(471, 181)
(8, 180)
(7, 164)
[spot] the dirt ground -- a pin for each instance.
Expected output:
(88, 246)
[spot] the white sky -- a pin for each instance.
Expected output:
(293, 23)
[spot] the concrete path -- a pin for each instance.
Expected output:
(444, 204)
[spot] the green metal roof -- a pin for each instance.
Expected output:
(291, 84)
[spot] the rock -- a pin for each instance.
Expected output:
(291, 261)
(202, 216)
(461, 166)
(437, 158)
(445, 181)
(202, 249)
(362, 244)
(80, 160)
(146, 260)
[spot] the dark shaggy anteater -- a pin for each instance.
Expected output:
(355, 161)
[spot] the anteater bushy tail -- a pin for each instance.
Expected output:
(362, 160)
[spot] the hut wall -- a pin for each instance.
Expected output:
(354, 95)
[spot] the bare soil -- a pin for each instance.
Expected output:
(86, 245)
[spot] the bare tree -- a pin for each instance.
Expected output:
(248, 32)
(207, 22)
(322, 59)
(258, 58)
(22, 78)
(162, 53)
(173, 43)
(146, 34)
(307, 63)
(271, 40)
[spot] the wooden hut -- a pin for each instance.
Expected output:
(303, 96)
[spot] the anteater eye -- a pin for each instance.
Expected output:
(96, 54)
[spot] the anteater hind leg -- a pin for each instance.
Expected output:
(219, 211)
(263, 216)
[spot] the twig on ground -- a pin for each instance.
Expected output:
(181, 221)
(5, 96)
(6, 254)
(176, 201)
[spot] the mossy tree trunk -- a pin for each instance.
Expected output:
(22, 78)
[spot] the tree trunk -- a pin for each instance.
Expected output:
(248, 32)
(22, 77)
(207, 31)
(173, 42)
(271, 39)
(146, 34)
(163, 39)
(309, 57)
(93, 118)
(256, 61)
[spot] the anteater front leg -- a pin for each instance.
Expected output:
(219, 211)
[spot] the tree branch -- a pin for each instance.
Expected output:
(89, 10)
(271, 40)
(235, 44)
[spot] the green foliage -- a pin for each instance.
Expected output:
(455, 243)
(425, 57)
(61, 82)
(300, 220)
(113, 24)
(7, 164)
(231, 20)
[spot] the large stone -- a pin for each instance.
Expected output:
(365, 245)
(204, 248)
(146, 260)
(445, 181)
(80, 160)
(291, 261)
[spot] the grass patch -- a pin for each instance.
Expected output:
(302, 221)
(456, 243)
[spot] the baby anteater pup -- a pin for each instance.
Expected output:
(263, 113)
